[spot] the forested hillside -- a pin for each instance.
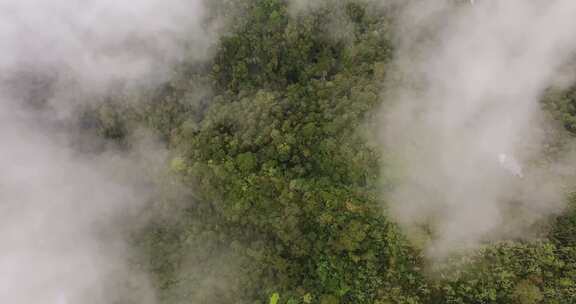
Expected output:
(276, 188)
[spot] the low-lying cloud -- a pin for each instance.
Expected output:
(62, 219)
(465, 123)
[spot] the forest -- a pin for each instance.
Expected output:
(276, 189)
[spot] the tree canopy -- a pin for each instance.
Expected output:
(284, 201)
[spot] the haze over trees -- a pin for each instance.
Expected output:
(288, 195)
(278, 187)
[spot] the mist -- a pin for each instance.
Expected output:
(463, 124)
(63, 222)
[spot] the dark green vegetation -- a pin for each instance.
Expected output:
(284, 204)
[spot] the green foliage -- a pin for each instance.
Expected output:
(527, 293)
(564, 230)
(509, 272)
(562, 104)
(284, 185)
(268, 49)
(274, 298)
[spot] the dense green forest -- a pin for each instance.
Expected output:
(275, 188)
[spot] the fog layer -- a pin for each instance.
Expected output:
(61, 222)
(463, 119)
